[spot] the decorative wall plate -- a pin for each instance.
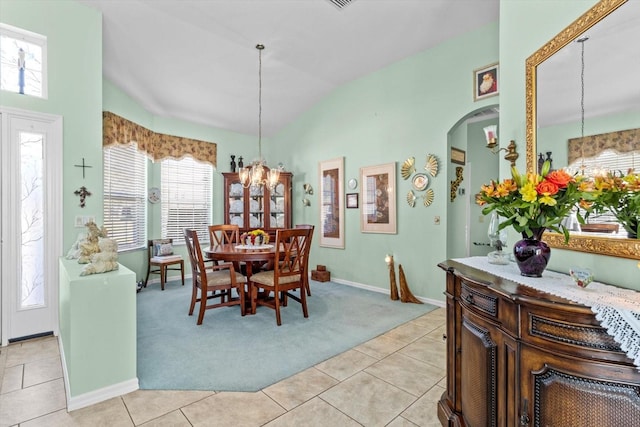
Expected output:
(420, 181)
(432, 165)
(154, 195)
(353, 183)
(411, 198)
(428, 197)
(408, 167)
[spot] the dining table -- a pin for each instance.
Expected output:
(251, 256)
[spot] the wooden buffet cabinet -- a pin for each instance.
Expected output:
(257, 207)
(520, 357)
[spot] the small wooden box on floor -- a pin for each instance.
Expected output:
(321, 274)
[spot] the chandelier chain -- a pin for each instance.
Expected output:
(260, 48)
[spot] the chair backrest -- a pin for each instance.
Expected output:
(220, 234)
(151, 243)
(292, 249)
(307, 227)
(195, 254)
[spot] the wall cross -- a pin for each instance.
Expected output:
(83, 166)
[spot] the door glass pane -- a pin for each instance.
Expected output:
(32, 211)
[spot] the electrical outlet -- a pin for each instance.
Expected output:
(436, 220)
(89, 218)
(481, 219)
(79, 222)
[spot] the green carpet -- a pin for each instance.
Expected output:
(229, 352)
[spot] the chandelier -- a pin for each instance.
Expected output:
(257, 173)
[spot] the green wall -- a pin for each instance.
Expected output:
(404, 110)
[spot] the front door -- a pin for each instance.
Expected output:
(30, 225)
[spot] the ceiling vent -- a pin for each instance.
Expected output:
(340, 3)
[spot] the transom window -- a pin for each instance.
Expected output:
(23, 61)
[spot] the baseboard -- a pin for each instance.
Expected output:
(385, 291)
(102, 394)
(95, 396)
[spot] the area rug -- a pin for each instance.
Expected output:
(229, 352)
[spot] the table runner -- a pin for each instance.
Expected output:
(254, 246)
(617, 309)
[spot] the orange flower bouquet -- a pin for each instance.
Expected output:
(534, 202)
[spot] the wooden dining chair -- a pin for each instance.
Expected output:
(160, 259)
(219, 279)
(306, 277)
(292, 251)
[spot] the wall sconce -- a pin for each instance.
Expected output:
(308, 189)
(491, 135)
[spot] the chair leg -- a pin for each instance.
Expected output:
(303, 302)
(148, 271)
(243, 308)
(306, 285)
(276, 302)
(194, 294)
(203, 305)
(182, 272)
(163, 276)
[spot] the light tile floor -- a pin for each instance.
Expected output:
(393, 380)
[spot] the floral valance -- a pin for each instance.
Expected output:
(623, 141)
(158, 146)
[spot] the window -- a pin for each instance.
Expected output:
(125, 189)
(607, 160)
(23, 61)
(186, 198)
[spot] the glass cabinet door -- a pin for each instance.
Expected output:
(277, 207)
(256, 207)
(236, 204)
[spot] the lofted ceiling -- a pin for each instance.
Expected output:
(196, 59)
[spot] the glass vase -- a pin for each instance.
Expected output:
(532, 254)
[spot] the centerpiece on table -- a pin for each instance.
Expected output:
(255, 238)
(531, 204)
(620, 195)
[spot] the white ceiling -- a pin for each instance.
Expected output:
(196, 59)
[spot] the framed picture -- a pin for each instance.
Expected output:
(352, 200)
(485, 82)
(332, 203)
(458, 156)
(378, 193)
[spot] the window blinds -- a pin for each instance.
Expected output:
(186, 198)
(125, 189)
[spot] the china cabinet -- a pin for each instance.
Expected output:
(257, 207)
(520, 357)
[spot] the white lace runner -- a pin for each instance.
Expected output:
(617, 309)
(254, 246)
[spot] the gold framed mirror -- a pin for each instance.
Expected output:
(612, 246)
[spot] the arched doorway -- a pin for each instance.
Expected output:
(466, 226)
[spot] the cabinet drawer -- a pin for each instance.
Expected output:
(479, 299)
(579, 334)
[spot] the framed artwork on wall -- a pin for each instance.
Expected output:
(458, 156)
(352, 200)
(485, 82)
(378, 193)
(332, 203)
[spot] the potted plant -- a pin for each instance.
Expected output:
(531, 204)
